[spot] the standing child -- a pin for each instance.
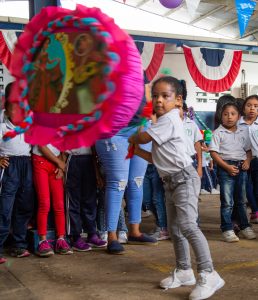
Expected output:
(81, 199)
(249, 118)
(48, 171)
(230, 149)
(250, 108)
(16, 185)
(182, 186)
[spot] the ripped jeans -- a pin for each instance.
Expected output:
(121, 173)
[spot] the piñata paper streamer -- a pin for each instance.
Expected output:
(79, 78)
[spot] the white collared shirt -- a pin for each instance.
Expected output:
(193, 135)
(53, 149)
(253, 132)
(231, 145)
(169, 151)
(15, 146)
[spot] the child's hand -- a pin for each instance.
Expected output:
(4, 162)
(59, 173)
(232, 170)
(61, 165)
(131, 139)
(246, 165)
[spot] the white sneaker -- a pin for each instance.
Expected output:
(229, 236)
(204, 192)
(218, 187)
(215, 192)
(208, 283)
(103, 235)
(122, 237)
(147, 213)
(160, 234)
(178, 278)
(248, 233)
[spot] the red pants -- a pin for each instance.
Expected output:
(48, 187)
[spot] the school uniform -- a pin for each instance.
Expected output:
(253, 133)
(232, 148)
(182, 186)
(49, 190)
(81, 192)
(16, 194)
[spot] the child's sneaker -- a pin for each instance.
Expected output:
(122, 237)
(95, 242)
(62, 247)
(2, 260)
(207, 285)
(103, 235)
(254, 218)
(178, 278)
(44, 249)
(81, 246)
(19, 252)
(215, 192)
(229, 236)
(248, 233)
(204, 192)
(160, 234)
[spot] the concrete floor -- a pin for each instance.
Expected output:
(134, 275)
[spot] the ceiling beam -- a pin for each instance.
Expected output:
(141, 3)
(171, 11)
(206, 15)
(224, 24)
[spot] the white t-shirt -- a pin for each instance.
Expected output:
(80, 151)
(53, 149)
(231, 145)
(15, 146)
(193, 135)
(169, 151)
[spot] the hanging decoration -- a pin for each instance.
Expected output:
(171, 3)
(78, 78)
(152, 55)
(244, 9)
(198, 118)
(7, 40)
(213, 70)
(192, 6)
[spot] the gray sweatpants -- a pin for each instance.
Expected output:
(182, 190)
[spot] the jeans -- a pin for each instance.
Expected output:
(101, 220)
(121, 173)
(16, 201)
(232, 188)
(206, 181)
(254, 174)
(81, 195)
(153, 195)
(182, 191)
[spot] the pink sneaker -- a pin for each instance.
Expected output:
(3, 260)
(62, 247)
(44, 249)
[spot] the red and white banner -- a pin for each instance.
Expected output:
(7, 40)
(213, 70)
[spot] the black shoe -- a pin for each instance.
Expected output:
(115, 248)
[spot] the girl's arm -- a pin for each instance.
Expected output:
(146, 155)
(232, 170)
(50, 156)
(246, 163)
(198, 149)
(140, 138)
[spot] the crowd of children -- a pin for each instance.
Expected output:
(176, 165)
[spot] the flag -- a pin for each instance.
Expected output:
(7, 40)
(213, 70)
(245, 9)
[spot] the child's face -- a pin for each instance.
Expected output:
(164, 98)
(230, 116)
(11, 110)
(251, 108)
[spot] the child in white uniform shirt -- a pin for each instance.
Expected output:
(16, 192)
(182, 186)
(230, 149)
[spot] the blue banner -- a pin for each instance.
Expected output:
(245, 9)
